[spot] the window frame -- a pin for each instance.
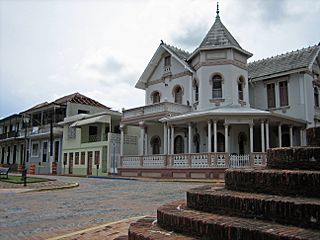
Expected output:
(316, 96)
(283, 93)
(271, 96)
(32, 150)
(216, 78)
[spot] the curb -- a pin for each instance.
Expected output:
(72, 185)
(94, 228)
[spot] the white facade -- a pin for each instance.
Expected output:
(212, 101)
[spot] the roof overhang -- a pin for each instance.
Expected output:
(279, 74)
(154, 62)
(93, 120)
(195, 52)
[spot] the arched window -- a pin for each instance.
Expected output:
(155, 144)
(220, 142)
(240, 88)
(177, 92)
(316, 97)
(216, 86)
(178, 145)
(196, 141)
(155, 96)
(196, 91)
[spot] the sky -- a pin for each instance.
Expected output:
(52, 48)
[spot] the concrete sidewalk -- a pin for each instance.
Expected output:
(109, 231)
(52, 184)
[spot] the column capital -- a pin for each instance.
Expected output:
(215, 121)
(251, 124)
(122, 126)
(209, 121)
(141, 124)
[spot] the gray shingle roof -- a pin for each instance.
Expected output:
(218, 35)
(183, 55)
(294, 60)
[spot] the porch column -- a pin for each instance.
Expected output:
(141, 138)
(251, 137)
(226, 139)
(302, 134)
(172, 139)
(165, 139)
(262, 137)
(280, 135)
(291, 136)
(267, 135)
(121, 139)
(189, 138)
(168, 137)
(145, 141)
(209, 136)
(215, 136)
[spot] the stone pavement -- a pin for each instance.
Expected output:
(48, 214)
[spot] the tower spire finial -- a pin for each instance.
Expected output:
(217, 9)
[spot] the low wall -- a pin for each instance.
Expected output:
(173, 173)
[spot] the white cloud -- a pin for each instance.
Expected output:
(100, 48)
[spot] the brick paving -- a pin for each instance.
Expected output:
(47, 214)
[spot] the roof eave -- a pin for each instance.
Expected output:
(279, 74)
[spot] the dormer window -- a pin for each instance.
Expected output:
(216, 86)
(155, 96)
(240, 88)
(316, 96)
(177, 93)
(167, 61)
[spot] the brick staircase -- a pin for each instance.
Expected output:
(270, 203)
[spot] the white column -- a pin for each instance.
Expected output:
(172, 139)
(226, 138)
(189, 138)
(121, 139)
(209, 136)
(215, 136)
(267, 135)
(251, 137)
(141, 138)
(262, 137)
(165, 139)
(145, 142)
(291, 136)
(280, 135)
(168, 142)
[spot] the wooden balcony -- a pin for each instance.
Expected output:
(154, 111)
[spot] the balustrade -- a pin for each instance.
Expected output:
(194, 160)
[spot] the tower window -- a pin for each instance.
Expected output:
(155, 96)
(216, 86)
(240, 88)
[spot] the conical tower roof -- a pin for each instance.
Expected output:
(218, 36)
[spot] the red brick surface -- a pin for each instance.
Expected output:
(176, 217)
(299, 212)
(272, 181)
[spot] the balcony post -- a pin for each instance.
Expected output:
(262, 137)
(267, 135)
(141, 138)
(189, 138)
(172, 139)
(209, 136)
(280, 134)
(226, 139)
(121, 139)
(165, 139)
(251, 137)
(291, 136)
(215, 136)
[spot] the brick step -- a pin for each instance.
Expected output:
(276, 182)
(303, 158)
(301, 212)
(176, 217)
(147, 229)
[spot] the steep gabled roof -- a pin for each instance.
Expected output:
(79, 98)
(182, 54)
(218, 36)
(301, 59)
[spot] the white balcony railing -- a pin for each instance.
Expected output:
(194, 160)
(164, 107)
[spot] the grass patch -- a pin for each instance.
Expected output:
(17, 179)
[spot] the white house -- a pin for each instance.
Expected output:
(208, 110)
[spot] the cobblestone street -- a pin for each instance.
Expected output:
(40, 215)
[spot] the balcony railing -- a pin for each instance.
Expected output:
(95, 138)
(194, 160)
(12, 134)
(157, 108)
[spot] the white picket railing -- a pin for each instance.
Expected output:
(194, 160)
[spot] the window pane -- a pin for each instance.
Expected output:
(283, 87)
(271, 95)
